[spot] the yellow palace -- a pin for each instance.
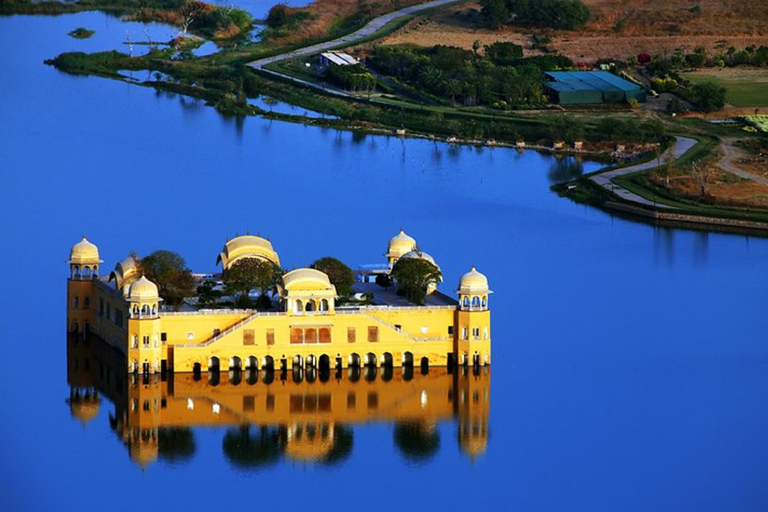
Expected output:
(306, 331)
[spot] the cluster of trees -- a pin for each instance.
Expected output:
(558, 14)
(414, 276)
(355, 78)
(197, 16)
(256, 274)
(499, 79)
(169, 272)
(665, 64)
(283, 16)
(251, 274)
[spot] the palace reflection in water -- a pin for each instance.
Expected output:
(302, 416)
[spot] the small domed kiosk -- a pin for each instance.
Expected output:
(307, 291)
(474, 319)
(399, 245)
(473, 291)
(144, 298)
(84, 260)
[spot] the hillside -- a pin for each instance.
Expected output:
(619, 28)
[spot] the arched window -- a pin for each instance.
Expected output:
(76, 302)
(475, 302)
(144, 309)
(298, 307)
(466, 302)
(324, 305)
(154, 309)
(311, 305)
(485, 301)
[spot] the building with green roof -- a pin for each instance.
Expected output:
(591, 87)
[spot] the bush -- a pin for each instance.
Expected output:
(503, 54)
(558, 14)
(709, 96)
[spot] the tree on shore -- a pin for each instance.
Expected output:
(414, 276)
(169, 272)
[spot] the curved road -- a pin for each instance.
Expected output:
(372, 26)
(605, 179)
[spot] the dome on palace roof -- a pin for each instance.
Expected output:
(84, 252)
(420, 255)
(125, 271)
(473, 282)
(306, 278)
(247, 246)
(400, 244)
(143, 289)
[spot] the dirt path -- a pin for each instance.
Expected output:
(728, 162)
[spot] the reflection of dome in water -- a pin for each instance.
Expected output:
(247, 246)
(84, 252)
(84, 409)
(473, 440)
(144, 454)
(143, 289)
(474, 446)
(473, 283)
(400, 244)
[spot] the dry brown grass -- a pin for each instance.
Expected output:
(326, 15)
(619, 28)
(724, 189)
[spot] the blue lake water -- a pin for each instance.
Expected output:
(630, 362)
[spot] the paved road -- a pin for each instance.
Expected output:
(605, 179)
(349, 39)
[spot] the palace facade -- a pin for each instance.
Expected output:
(306, 330)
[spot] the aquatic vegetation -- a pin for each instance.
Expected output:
(82, 33)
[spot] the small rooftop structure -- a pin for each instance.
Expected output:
(337, 59)
(591, 87)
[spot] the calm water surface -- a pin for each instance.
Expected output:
(630, 363)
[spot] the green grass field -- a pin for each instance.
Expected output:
(744, 87)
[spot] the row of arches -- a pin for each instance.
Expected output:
(144, 311)
(324, 361)
(474, 302)
(310, 374)
(312, 366)
(310, 306)
(84, 271)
